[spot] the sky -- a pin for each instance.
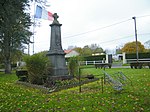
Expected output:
(107, 23)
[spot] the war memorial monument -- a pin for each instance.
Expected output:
(56, 54)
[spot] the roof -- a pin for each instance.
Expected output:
(67, 51)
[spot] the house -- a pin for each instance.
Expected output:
(70, 53)
(118, 57)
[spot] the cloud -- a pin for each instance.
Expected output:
(79, 16)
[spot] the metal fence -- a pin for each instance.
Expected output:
(90, 62)
(140, 60)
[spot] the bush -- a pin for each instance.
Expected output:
(37, 68)
(73, 65)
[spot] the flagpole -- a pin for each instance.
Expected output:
(33, 26)
(36, 15)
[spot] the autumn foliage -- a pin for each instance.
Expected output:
(130, 47)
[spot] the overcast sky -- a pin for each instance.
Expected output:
(107, 23)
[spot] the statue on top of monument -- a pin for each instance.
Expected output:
(55, 21)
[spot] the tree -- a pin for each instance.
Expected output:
(130, 47)
(16, 55)
(118, 51)
(89, 50)
(86, 51)
(147, 45)
(79, 50)
(1, 58)
(71, 47)
(96, 48)
(14, 28)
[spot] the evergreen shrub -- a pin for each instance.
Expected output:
(37, 65)
(73, 65)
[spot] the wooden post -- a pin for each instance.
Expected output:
(102, 84)
(79, 80)
(104, 67)
(104, 79)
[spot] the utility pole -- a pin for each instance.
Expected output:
(137, 55)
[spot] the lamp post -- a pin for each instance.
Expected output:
(137, 55)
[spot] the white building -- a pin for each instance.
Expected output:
(70, 53)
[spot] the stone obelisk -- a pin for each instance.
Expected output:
(56, 53)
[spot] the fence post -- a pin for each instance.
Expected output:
(104, 79)
(85, 62)
(94, 62)
(102, 84)
(124, 58)
(79, 80)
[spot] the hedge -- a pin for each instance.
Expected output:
(141, 55)
(91, 58)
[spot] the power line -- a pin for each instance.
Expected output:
(103, 27)
(142, 16)
(144, 34)
(123, 38)
(118, 38)
(97, 29)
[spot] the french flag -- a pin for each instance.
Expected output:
(43, 14)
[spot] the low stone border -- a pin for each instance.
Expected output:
(73, 85)
(55, 89)
(41, 87)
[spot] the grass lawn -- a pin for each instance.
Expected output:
(136, 98)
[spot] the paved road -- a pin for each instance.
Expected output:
(119, 66)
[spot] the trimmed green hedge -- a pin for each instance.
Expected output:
(91, 58)
(94, 58)
(141, 55)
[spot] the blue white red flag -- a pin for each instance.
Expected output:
(43, 14)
